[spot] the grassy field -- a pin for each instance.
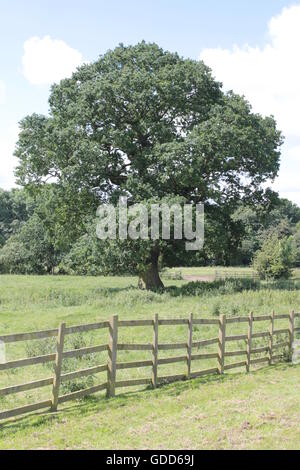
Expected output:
(255, 411)
(259, 410)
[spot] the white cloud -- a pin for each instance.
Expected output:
(2, 92)
(7, 161)
(48, 60)
(288, 182)
(269, 77)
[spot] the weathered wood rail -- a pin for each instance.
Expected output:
(154, 346)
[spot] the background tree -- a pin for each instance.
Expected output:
(146, 123)
(15, 208)
(29, 251)
(279, 217)
(275, 259)
(38, 228)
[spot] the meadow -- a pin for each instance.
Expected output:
(237, 410)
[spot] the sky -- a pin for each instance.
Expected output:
(252, 46)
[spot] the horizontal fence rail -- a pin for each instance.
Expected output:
(193, 353)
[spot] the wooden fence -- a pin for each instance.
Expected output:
(113, 346)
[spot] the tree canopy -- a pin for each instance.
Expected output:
(148, 124)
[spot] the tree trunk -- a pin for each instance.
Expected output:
(149, 278)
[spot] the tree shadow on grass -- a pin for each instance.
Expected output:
(230, 286)
(106, 291)
(199, 288)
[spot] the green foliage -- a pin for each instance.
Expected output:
(77, 341)
(29, 251)
(227, 286)
(82, 259)
(146, 123)
(73, 364)
(15, 208)
(279, 218)
(91, 256)
(41, 347)
(48, 228)
(275, 259)
(296, 244)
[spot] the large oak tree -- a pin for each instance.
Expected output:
(148, 124)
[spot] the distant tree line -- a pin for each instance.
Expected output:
(40, 234)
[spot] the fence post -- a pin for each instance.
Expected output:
(271, 332)
(291, 334)
(222, 339)
(112, 356)
(189, 346)
(58, 365)
(249, 342)
(155, 351)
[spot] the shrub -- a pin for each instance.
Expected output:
(275, 259)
